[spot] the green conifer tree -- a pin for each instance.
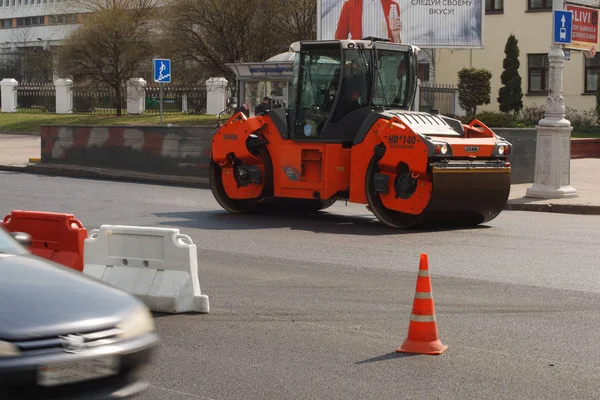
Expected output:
(511, 93)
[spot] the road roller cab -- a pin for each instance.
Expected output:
(348, 133)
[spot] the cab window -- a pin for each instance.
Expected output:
(355, 84)
(319, 67)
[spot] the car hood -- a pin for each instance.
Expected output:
(41, 299)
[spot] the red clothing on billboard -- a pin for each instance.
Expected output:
(350, 21)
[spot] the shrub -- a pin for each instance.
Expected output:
(474, 88)
(531, 115)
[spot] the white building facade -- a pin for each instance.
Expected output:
(30, 30)
(35, 22)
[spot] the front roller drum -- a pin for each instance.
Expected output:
(461, 195)
(394, 219)
(468, 196)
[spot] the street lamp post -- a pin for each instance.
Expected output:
(553, 149)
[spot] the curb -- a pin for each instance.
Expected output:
(19, 133)
(107, 174)
(581, 209)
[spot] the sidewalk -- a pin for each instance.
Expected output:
(584, 178)
(17, 150)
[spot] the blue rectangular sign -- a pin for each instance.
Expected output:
(563, 26)
(162, 70)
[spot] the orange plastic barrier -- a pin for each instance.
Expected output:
(54, 236)
(422, 330)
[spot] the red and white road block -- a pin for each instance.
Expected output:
(157, 265)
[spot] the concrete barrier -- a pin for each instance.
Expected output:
(174, 150)
(157, 265)
(185, 150)
(522, 159)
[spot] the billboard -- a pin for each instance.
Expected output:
(585, 29)
(424, 23)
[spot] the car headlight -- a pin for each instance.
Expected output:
(8, 350)
(136, 324)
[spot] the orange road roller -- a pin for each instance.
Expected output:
(349, 133)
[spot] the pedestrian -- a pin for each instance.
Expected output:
(244, 108)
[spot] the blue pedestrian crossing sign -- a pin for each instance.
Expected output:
(162, 70)
(563, 26)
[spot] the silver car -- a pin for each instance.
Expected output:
(66, 336)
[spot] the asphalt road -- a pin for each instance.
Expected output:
(315, 307)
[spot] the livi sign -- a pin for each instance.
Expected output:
(585, 29)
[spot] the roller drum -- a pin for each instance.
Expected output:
(468, 193)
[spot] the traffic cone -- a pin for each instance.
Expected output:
(422, 330)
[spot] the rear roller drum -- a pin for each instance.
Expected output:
(394, 219)
(240, 206)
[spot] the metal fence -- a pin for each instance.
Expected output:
(439, 96)
(36, 97)
(98, 100)
(176, 99)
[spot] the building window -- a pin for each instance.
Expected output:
(592, 66)
(494, 6)
(537, 73)
(535, 5)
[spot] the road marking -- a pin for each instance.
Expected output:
(183, 393)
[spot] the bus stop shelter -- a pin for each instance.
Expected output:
(255, 80)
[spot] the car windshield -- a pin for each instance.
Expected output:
(8, 245)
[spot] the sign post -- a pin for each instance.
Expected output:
(553, 149)
(162, 74)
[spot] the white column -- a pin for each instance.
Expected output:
(64, 96)
(136, 96)
(9, 94)
(216, 100)
(184, 105)
(553, 150)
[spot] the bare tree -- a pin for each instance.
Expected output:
(295, 20)
(114, 39)
(211, 33)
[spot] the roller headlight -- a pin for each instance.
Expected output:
(503, 150)
(441, 149)
(8, 350)
(136, 324)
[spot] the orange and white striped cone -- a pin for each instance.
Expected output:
(422, 330)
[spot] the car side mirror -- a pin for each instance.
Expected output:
(23, 238)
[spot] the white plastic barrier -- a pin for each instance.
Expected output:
(157, 265)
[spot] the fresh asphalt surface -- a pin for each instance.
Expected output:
(315, 307)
